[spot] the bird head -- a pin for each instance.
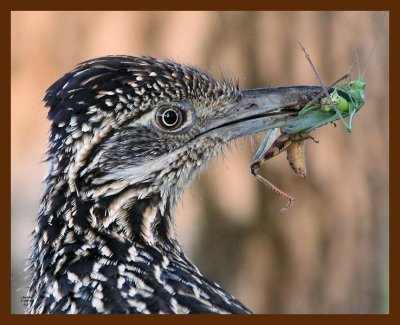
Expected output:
(127, 136)
(127, 130)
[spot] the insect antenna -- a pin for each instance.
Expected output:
(375, 42)
(353, 44)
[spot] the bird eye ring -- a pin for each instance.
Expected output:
(170, 118)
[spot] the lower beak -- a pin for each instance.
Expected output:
(261, 109)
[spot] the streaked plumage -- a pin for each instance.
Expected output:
(105, 241)
(128, 135)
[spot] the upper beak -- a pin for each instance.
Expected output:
(262, 109)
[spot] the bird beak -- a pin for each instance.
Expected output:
(260, 110)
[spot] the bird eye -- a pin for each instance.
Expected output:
(170, 118)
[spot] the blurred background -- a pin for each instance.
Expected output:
(329, 252)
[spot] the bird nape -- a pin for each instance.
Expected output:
(128, 135)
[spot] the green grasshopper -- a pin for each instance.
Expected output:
(336, 102)
(341, 101)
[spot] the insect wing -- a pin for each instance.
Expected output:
(266, 145)
(310, 121)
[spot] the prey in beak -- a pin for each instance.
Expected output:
(269, 109)
(326, 107)
(290, 113)
(336, 102)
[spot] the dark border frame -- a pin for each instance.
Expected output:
(5, 197)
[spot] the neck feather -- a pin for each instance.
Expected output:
(129, 217)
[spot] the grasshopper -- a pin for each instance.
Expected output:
(341, 101)
(336, 102)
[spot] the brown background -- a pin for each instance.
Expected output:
(329, 253)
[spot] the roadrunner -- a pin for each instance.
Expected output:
(128, 135)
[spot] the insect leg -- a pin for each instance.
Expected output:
(267, 183)
(270, 147)
(312, 138)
